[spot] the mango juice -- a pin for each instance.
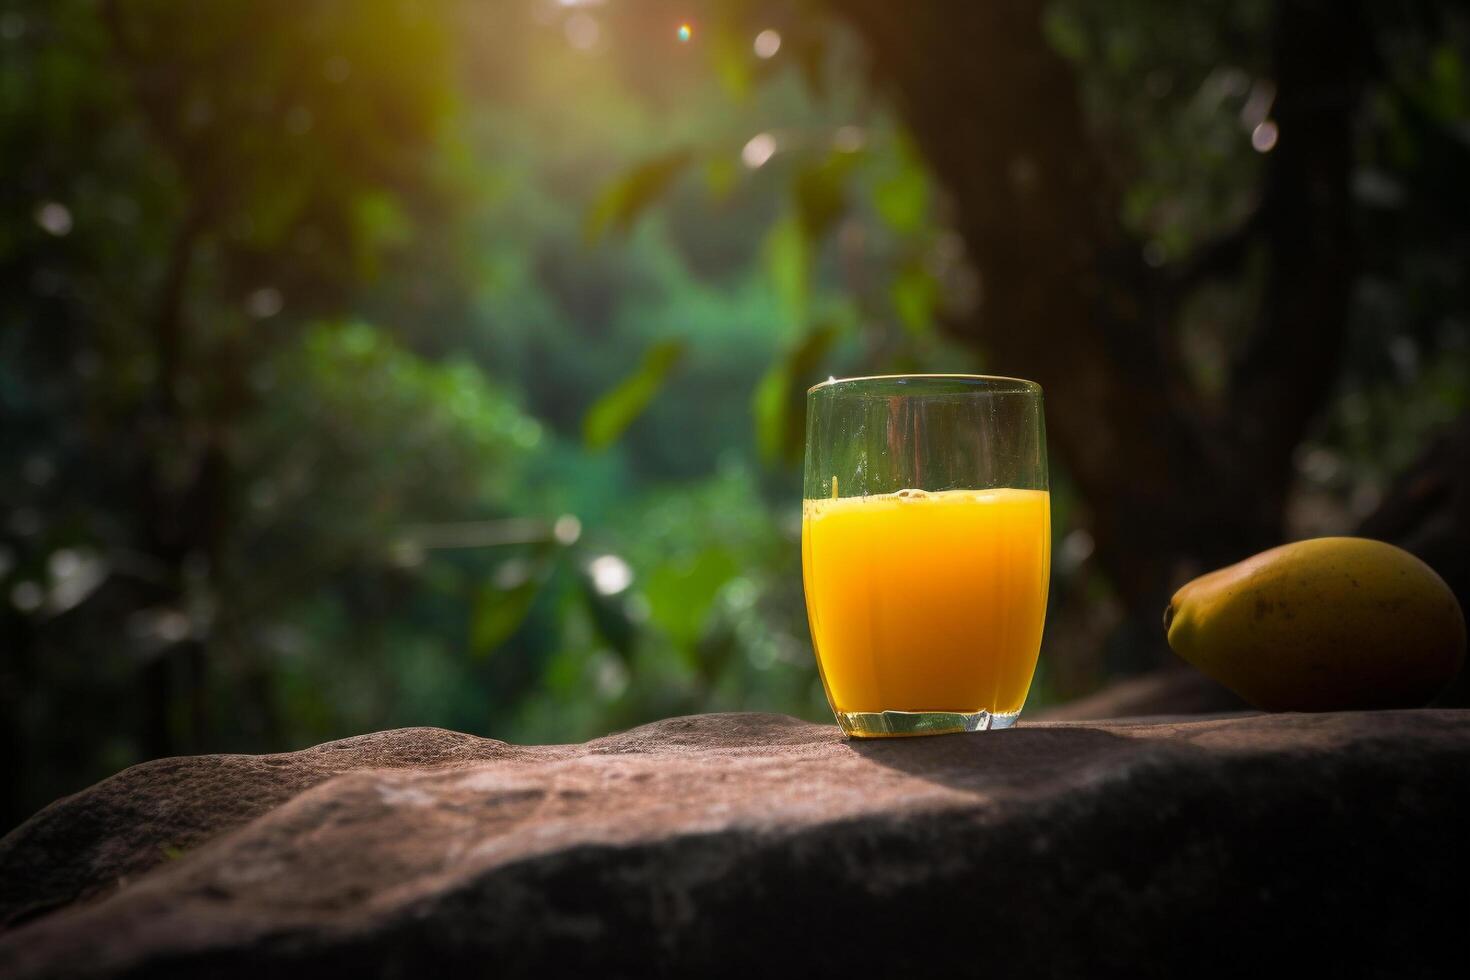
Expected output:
(927, 601)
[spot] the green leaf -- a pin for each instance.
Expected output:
(717, 646)
(902, 199)
(819, 195)
(379, 224)
(609, 615)
(1446, 88)
(779, 404)
(1066, 32)
(620, 204)
(732, 63)
(501, 608)
(616, 410)
(820, 191)
(498, 613)
(788, 263)
(681, 593)
(914, 294)
(721, 175)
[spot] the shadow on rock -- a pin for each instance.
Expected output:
(999, 760)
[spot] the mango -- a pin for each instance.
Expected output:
(1329, 624)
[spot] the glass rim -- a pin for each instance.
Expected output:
(1024, 385)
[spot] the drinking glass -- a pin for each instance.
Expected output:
(926, 549)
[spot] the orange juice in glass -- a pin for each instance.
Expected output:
(926, 549)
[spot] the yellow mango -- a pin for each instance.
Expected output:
(1328, 624)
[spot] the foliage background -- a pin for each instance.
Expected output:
(440, 363)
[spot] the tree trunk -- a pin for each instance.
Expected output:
(1068, 301)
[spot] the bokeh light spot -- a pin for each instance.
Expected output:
(1076, 548)
(27, 596)
(512, 573)
(609, 674)
(767, 43)
(54, 218)
(567, 529)
(760, 148)
(265, 302)
(610, 574)
(1264, 137)
(685, 32)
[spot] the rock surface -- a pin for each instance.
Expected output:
(726, 844)
(1179, 690)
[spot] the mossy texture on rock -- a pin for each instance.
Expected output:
(730, 844)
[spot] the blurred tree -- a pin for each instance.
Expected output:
(258, 487)
(1203, 231)
(185, 187)
(1177, 475)
(334, 395)
(1172, 485)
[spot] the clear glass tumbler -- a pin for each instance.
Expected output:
(926, 549)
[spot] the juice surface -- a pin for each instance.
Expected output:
(927, 601)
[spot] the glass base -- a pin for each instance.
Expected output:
(896, 724)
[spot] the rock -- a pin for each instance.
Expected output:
(1179, 690)
(732, 844)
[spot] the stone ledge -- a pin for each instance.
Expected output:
(738, 843)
